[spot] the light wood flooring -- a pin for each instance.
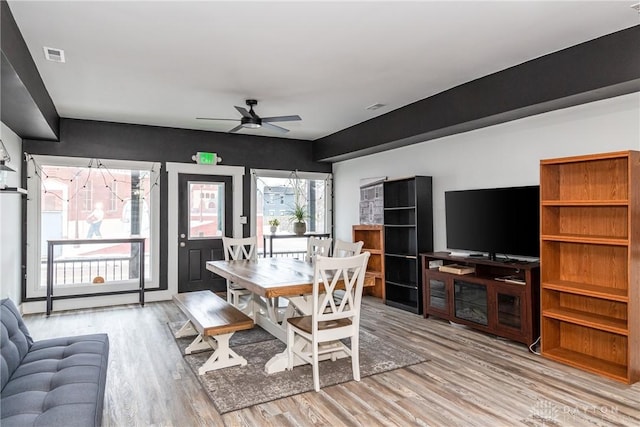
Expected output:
(470, 379)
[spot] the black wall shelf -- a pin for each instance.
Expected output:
(13, 190)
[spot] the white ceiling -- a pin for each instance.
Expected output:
(164, 63)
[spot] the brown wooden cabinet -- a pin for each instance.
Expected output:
(590, 255)
(484, 300)
(373, 238)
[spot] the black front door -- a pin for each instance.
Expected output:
(206, 214)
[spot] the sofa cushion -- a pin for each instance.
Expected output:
(54, 382)
(15, 340)
(60, 382)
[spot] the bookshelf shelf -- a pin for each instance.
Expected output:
(590, 256)
(373, 238)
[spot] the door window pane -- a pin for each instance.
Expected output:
(206, 209)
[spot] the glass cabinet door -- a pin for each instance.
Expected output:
(509, 310)
(470, 301)
(437, 295)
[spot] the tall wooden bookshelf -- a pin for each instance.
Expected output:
(373, 238)
(590, 258)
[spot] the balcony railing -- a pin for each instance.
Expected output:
(284, 254)
(71, 271)
(93, 268)
(82, 270)
(286, 245)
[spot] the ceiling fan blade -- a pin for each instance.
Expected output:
(236, 129)
(243, 111)
(269, 126)
(211, 118)
(281, 119)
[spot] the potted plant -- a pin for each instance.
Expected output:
(298, 217)
(274, 223)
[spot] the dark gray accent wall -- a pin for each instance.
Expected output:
(105, 140)
(598, 69)
(109, 140)
(27, 108)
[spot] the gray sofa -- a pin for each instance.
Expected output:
(53, 382)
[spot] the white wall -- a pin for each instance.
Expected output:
(11, 222)
(498, 156)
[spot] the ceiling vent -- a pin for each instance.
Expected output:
(636, 7)
(53, 54)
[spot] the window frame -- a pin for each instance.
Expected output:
(206, 196)
(33, 288)
(87, 197)
(113, 200)
(271, 173)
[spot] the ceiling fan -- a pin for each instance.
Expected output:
(251, 120)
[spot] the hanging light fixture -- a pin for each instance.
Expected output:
(4, 157)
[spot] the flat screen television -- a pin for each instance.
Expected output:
(494, 220)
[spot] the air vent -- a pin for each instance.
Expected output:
(375, 106)
(636, 7)
(53, 54)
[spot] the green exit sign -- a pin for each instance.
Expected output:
(204, 158)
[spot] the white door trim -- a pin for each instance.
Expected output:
(173, 169)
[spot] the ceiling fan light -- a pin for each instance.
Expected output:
(251, 125)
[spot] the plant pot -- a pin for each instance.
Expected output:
(274, 229)
(299, 228)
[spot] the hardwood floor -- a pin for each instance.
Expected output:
(470, 379)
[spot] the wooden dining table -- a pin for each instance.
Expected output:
(272, 282)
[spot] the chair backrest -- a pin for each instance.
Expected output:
(328, 273)
(317, 246)
(239, 248)
(343, 249)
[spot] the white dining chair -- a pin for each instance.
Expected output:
(344, 249)
(318, 246)
(236, 249)
(330, 321)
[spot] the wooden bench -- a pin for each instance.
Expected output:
(214, 321)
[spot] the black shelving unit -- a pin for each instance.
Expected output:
(408, 231)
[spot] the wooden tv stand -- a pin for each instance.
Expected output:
(500, 297)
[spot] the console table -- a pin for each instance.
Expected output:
(51, 244)
(271, 237)
(500, 297)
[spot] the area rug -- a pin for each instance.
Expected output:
(234, 388)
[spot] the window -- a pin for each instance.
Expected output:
(114, 200)
(205, 221)
(86, 195)
(275, 196)
(80, 199)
